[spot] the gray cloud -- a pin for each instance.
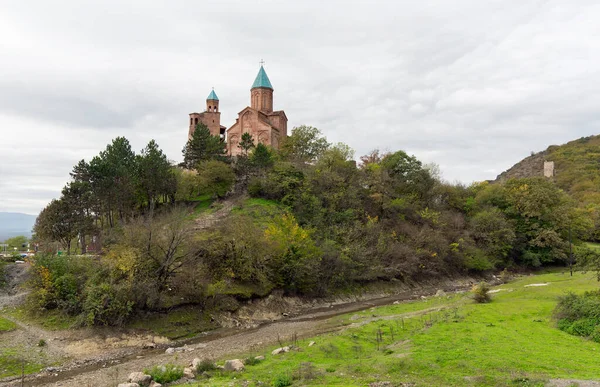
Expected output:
(472, 85)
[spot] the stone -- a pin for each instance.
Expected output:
(396, 302)
(139, 378)
(380, 384)
(440, 293)
(260, 358)
(154, 384)
(188, 373)
(234, 365)
(311, 343)
(195, 362)
(149, 346)
(171, 351)
(280, 350)
(128, 385)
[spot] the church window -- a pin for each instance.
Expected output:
(196, 121)
(210, 108)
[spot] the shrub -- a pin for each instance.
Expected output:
(282, 381)
(480, 293)
(252, 361)
(165, 373)
(579, 315)
(205, 365)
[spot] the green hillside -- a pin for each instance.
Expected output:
(576, 171)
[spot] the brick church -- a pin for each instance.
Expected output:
(265, 125)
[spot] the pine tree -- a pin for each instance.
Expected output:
(202, 147)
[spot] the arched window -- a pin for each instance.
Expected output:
(196, 120)
(210, 108)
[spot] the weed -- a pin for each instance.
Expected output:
(251, 361)
(480, 293)
(205, 365)
(165, 373)
(42, 343)
(282, 381)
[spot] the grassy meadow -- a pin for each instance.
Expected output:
(440, 341)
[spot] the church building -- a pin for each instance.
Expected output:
(266, 126)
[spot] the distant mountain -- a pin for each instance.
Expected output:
(14, 224)
(576, 168)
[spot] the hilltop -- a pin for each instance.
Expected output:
(576, 168)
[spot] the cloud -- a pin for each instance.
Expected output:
(473, 86)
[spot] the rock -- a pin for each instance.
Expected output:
(139, 378)
(188, 373)
(423, 298)
(396, 303)
(128, 385)
(52, 369)
(440, 293)
(149, 346)
(280, 350)
(234, 365)
(380, 384)
(260, 358)
(171, 351)
(311, 343)
(195, 362)
(154, 384)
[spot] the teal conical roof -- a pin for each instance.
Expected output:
(262, 80)
(212, 95)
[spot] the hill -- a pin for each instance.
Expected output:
(576, 168)
(14, 223)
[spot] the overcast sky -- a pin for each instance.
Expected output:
(472, 85)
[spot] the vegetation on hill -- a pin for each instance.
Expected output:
(317, 223)
(577, 172)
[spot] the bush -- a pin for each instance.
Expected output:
(282, 381)
(579, 315)
(165, 373)
(205, 365)
(480, 293)
(252, 361)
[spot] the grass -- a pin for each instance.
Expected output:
(203, 205)
(14, 361)
(262, 211)
(6, 325)
(52, 320)
(446, 341)
(179, 323)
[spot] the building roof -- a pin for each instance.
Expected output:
(262, 80)
(212, 96)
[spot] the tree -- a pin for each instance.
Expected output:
(216, 178)
(262, 157)
(78, 198)
(57, 223)
(246, 143)
(19, 242)
(154, 175)
(306, 144)
(202, 147)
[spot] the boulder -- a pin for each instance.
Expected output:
(195, 362)
(280, 350)
(128, 385)
(260, 358)
(154, 384)
(234, 365)
(311, 343)
(188, 373)
(139, 378)
(440, 293)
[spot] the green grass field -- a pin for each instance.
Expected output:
(6, 325)
(447, 341)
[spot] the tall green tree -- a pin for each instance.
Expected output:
(202, 147)
(57, 223)
(216, 178)
(246, 143)
(78, 198)
(154, 175)
(304, 145)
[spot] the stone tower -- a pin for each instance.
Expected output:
(211, 117)
(265, 125)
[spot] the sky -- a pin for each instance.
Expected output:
(472, 85)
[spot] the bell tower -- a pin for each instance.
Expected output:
(261, 93)
(211, 117)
